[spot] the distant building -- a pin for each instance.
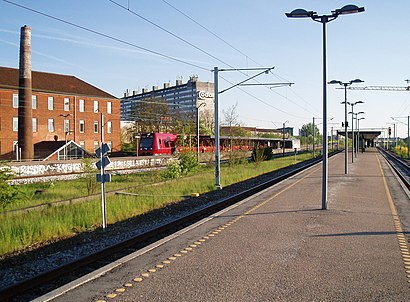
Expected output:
(182, 99)
(64, 108)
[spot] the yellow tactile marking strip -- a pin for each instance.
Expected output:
(404, 248)
(194, 245)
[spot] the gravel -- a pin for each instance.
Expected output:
(41, 258)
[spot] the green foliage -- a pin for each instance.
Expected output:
(261, 154)
(173, 170)
(186, 163)
(8, 193)
(89, 175)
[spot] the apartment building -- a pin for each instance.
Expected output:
(64, 109)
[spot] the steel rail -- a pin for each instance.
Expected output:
(147, 237)
(399, 166)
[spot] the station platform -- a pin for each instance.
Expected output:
(280, 246)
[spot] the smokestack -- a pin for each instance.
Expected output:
(25, 114)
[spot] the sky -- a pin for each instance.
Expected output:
(133, 44)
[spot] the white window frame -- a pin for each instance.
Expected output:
(96, 126)
(66, 104)
(82, 144)
(82, 125)
(50, 124)
(96, 145)
(95, 106)
(81, 105)
(34, 102)
(15, 100)
(109, 127)
(109, 107)
(50, 103)
(67, 126)
(35, 124)
(15, 124)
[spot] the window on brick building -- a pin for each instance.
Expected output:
(82, 144)
(50, 125)
(109, 143)
(82, 126)
(82, 105)
(34, 124)
(96, 145)
(95, 106)
(34, 102)
(109, 107)
(66, 104)
(109, 127)
(95, 126)
(50, 103)
(15, 124)
(67, 126)
(15, 100)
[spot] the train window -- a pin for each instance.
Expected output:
(146, 142)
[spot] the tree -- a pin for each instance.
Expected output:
(151, 115)
(307, 131)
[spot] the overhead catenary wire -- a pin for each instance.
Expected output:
(247, 56)
(139, 47)
(106, 35)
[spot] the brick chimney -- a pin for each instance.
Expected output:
(25, 114)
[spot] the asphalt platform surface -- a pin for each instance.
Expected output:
(280, 246)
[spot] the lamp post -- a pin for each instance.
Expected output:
(358, 133)
(66, 132)
(197, 129)
(324, 19)
(356, 141)
(345, 85)
(283, 138)
(353, 136)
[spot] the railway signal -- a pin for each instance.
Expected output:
(102, 177)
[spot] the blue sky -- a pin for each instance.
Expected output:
(373, 46)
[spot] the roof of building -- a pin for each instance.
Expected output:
(52, 83)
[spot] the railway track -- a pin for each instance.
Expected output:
(399, 165)
(52, 279)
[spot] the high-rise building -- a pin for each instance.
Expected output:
(182, 100)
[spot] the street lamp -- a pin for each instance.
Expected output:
(197, 129)
(66, 132)
(355, 143)
(301, 13)
(283, 137)
(353, 136)
(345, 85)
(358, 133)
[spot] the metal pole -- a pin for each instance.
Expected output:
(216, 113)
(313, 133)
(197, 134)
(283, 139)
(346, 134)
(325, 162)
(408, 136)
(103, 199)
(352, 135)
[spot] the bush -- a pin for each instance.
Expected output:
(188, 162)
(89, 175)
(8, 193)
(261, 154)
(173, 170)
(183, 165)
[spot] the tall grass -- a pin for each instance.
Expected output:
(21, 231)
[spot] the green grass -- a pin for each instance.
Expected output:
(21, 231)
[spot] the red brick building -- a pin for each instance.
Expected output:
(64, 108)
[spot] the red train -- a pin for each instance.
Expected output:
(167, 143)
